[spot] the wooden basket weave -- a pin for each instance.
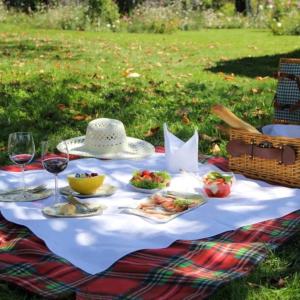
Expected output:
(266, 169)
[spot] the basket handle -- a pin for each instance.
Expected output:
(284, 154)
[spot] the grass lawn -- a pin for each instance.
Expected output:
(54, 82)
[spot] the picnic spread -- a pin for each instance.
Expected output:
(142, 224)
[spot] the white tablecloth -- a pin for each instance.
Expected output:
(93, 244)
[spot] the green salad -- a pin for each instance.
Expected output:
(150, 180)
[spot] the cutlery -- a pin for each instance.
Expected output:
(126, 207)
(35, 190)
(82, 206)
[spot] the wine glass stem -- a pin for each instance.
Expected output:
(55, 190)
(23, 179)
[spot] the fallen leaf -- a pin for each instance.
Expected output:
(215, 150)
(260, 78)
(224, 58)
(97, 76)
(151, 132)
(258, 113)
(254, 285)
(208, 138)
(229, 77)
(278, 282)
(80, 117)
(130, 74)
(281, 283)
(185, 119)
(133, 75)
(61, 106)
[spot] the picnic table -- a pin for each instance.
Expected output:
(186, 269)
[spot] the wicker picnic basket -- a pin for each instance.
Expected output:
(274, 159)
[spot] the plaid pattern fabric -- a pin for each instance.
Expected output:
(288, 93)
(185, 270)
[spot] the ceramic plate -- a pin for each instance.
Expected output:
(146, 191)
(157, 214)
(104, 191)
(19, 197)
(54, 211)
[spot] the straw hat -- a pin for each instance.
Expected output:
(106, 138)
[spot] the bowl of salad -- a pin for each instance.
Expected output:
(146, 181)
(218, 184)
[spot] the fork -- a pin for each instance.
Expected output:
(35, 190)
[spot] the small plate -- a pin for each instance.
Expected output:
(157, 214)
(145, 191)
(53, 211)
(104, 191)
(19, 197)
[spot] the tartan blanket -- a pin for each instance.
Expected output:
(184, 270)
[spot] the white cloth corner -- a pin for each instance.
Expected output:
(180, 155)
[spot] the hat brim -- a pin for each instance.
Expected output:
(135, 149)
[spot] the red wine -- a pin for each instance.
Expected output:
(21, 159)
(55, 165)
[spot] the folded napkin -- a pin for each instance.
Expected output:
(180, 155)
(292, 131)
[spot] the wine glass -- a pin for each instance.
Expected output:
(54, 161)
(21, 150)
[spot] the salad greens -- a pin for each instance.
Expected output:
(150, 180)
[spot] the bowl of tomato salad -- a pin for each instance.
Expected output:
(146, 181)
(218, 184)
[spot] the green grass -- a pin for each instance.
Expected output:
(53, 82)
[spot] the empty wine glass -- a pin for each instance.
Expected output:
(54, 161)
(21, 150)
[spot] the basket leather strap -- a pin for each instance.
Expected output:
(291, 107)
(284, 155)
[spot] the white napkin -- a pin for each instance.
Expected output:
(181, 155)
(292, 131)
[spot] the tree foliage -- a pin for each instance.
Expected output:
(28, 5)
(106, 10)
(126, 6)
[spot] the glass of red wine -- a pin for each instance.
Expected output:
(21, 150)
(54, 161)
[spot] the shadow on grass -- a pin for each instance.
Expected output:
(253, 66)
(37, 48)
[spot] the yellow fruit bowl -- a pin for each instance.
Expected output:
(85, 185)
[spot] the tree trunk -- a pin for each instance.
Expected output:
(243, 6)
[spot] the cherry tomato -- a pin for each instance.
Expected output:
(146, 173)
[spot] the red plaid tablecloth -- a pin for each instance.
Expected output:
(184, 270)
